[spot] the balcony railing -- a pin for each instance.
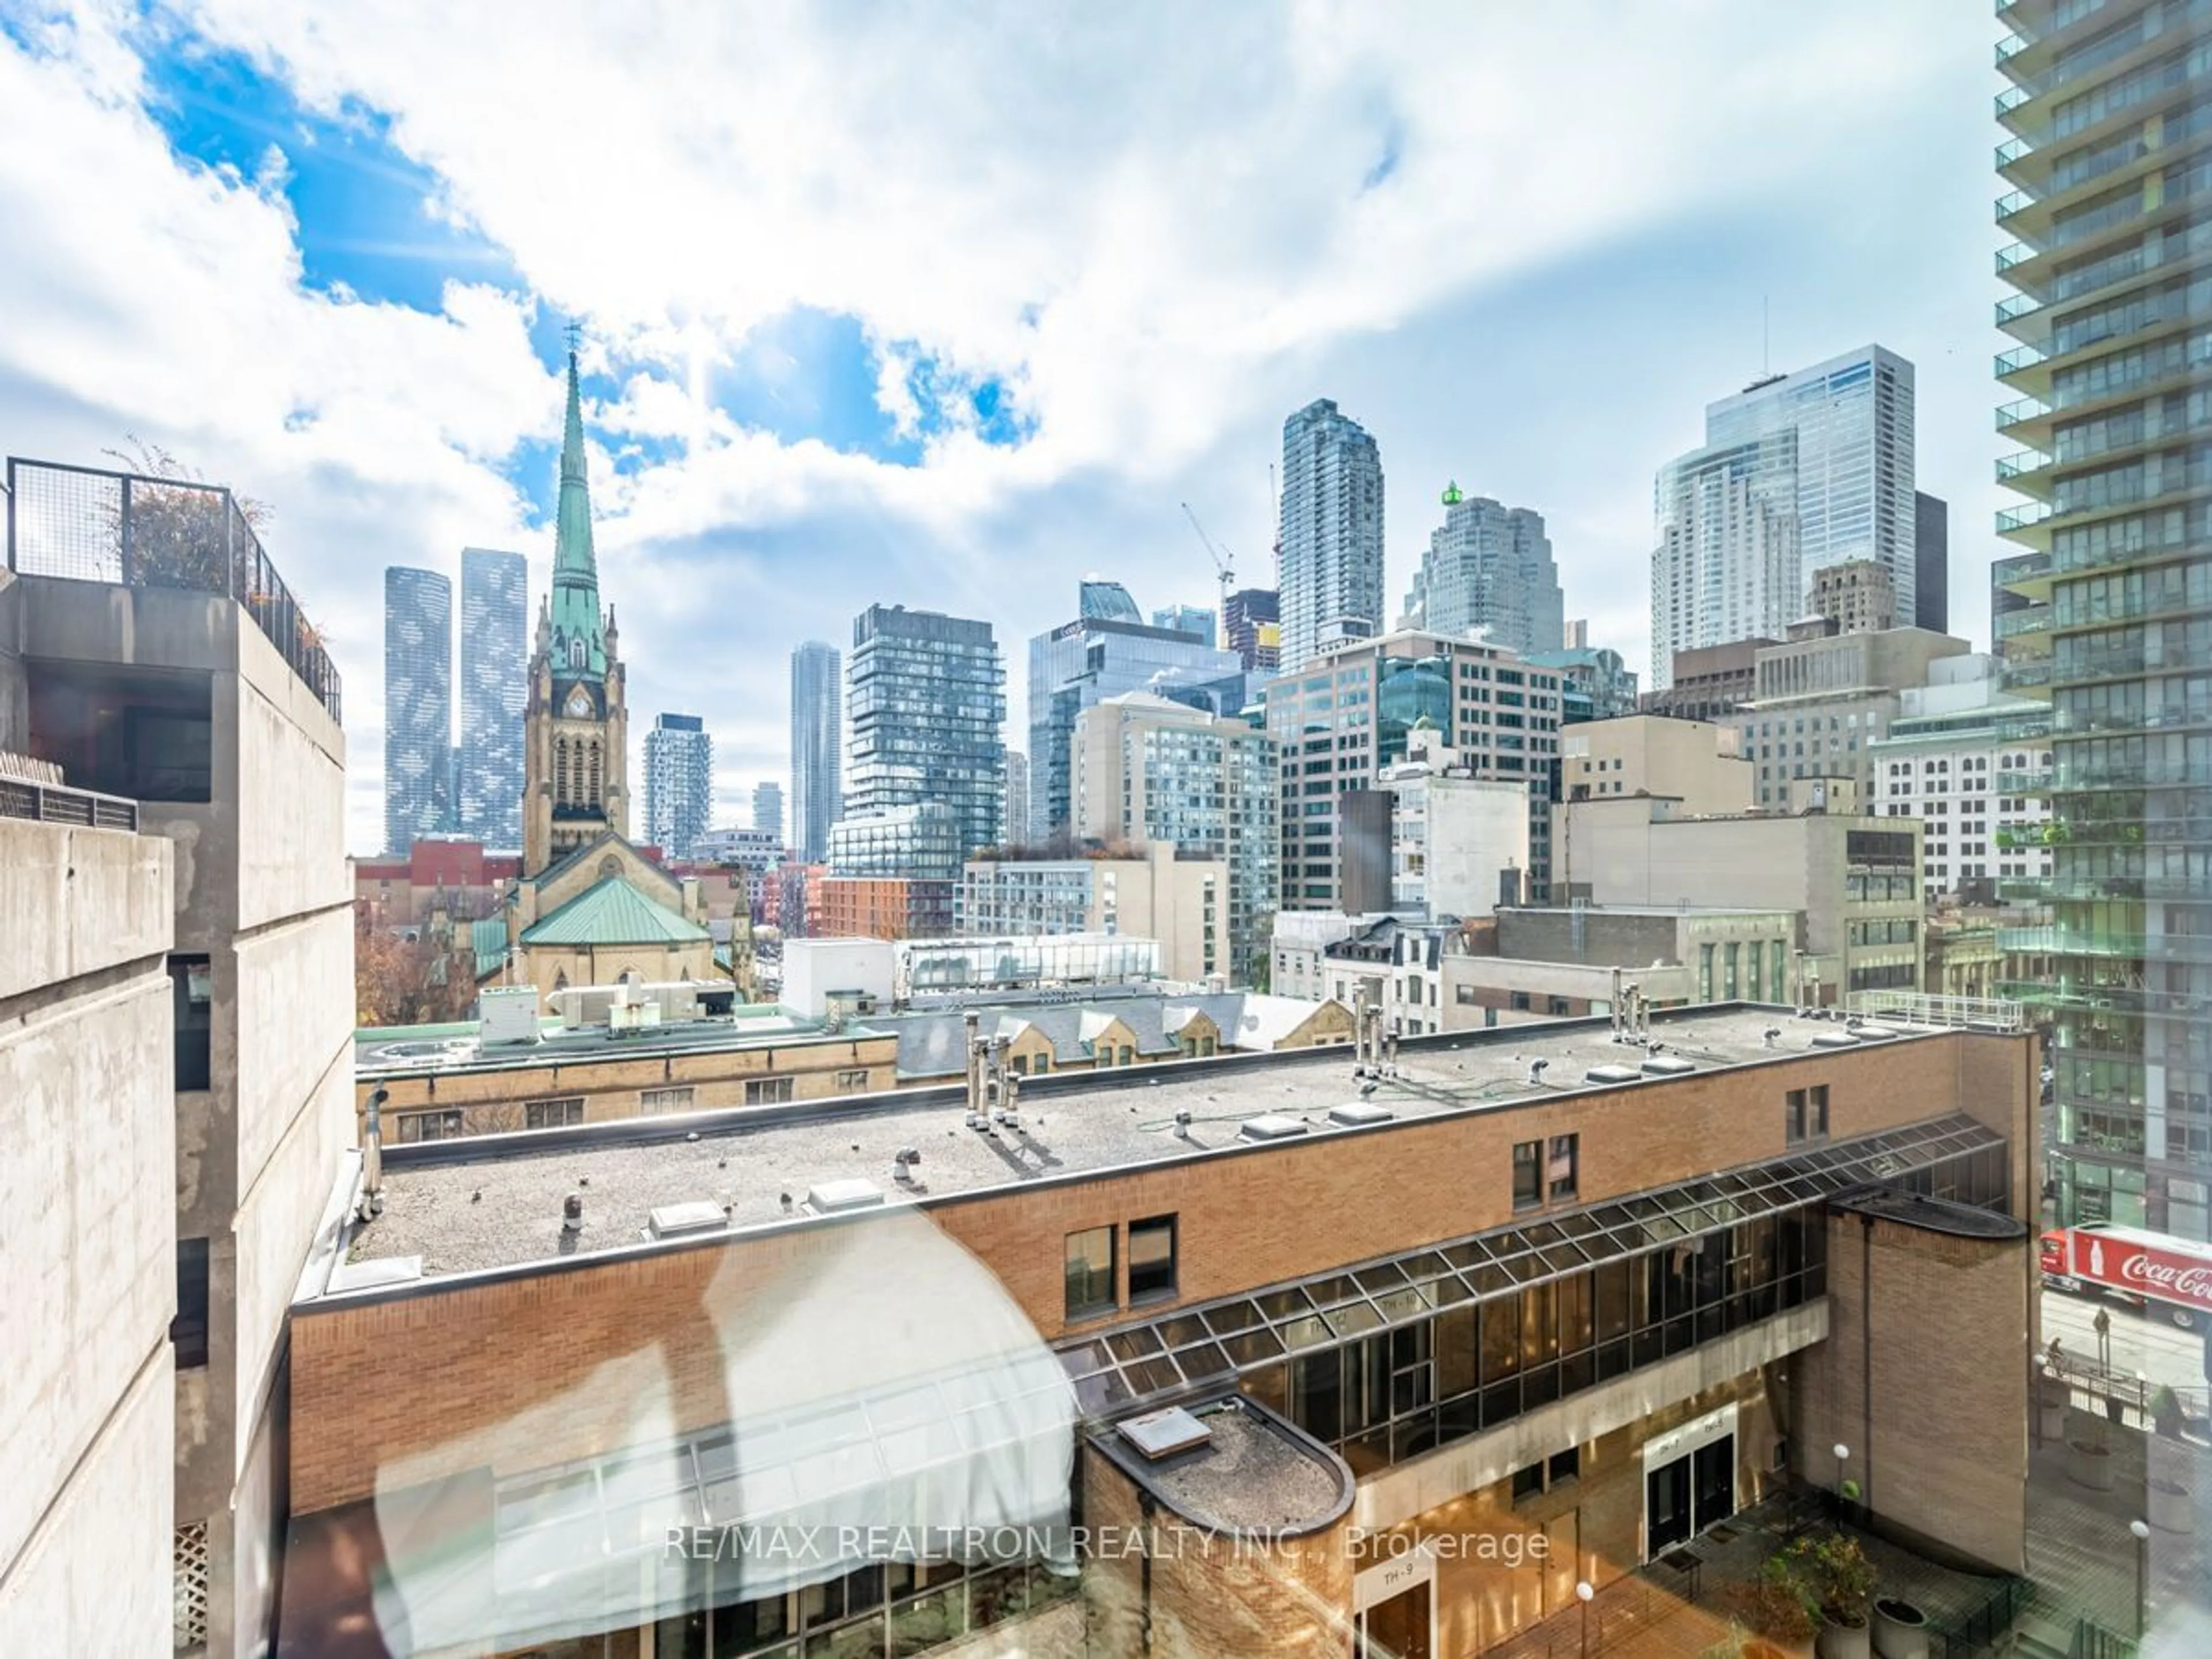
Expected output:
(2021, 408)
(2020, 357)
(2023, 518)
(2011, 150)
(82, 524)
(2012, 204)
(54, 803)
(2020, 461)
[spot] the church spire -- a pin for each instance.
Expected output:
(579, 647)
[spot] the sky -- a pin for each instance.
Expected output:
(951, 305)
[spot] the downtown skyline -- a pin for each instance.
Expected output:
(960, 452)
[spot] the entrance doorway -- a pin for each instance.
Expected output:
(1685, 1495)
(1398, 1628)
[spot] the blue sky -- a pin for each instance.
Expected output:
(878, 306)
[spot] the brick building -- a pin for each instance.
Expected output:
(1227, 1359)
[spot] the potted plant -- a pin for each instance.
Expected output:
(1900, 1629)
(2052, 1397)
(2170, 1508)
(1769, 1613)
(2165, 1411)
(2089, 1462)
(1834, 1581)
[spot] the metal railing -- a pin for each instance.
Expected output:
(52, 803)
(1918, 1009)
(83, 524)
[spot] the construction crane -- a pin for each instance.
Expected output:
(1220, 558)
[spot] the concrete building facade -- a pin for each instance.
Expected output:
(1853, 881)
(1149, 772)
(1459, 843)
(679, 783)
(1823, 699)
(87, 1403)
(1349, 713)
(1699, 764)
(219, 715)
(1179, 898)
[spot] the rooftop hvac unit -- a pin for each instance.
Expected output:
(1270, 1126)
(510, 1014)
(638, 1016)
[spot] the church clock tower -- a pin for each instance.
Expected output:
(576, 728)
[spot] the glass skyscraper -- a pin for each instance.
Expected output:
(1489, 568)
(1251, 626)
(1094, 657)
(1330, 575)
(926, 697)
(816, 739)
(1797, 472)
(418, 706)
(2107, 611)
(1194, 620)
(679, 783)
(494, 658)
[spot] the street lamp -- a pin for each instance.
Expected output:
(2102, 1324)
(1846, 1489)
(1584, 1592)
(2142, 1531)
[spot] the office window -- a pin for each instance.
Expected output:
(653, 1102)
(1527, 1174)
(553, 1114)
(1566, 1155)
(1559, 1007)
(1152, 1258)
(767, 1091)
(1816, 1111)
(1463, 995)
(857, 1078)
(1520, 1002)
(1564, 1467)
(427, 1126)
(188, 1330)
(1528, 1482)
(1090, 1274)
(1793, 1116)
(191, 985)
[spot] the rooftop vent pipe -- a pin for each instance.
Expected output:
(372, 1157)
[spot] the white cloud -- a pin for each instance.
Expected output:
(1147, 222)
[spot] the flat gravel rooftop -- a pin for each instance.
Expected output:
(497, 1201)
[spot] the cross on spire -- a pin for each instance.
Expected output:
(575, 331)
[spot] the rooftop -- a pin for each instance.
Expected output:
(495, 1201)
(613, 912)
(1252, 1474)
(383, 1050)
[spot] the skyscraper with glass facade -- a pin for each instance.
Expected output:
(1797, 472)
(768, 809)
(1252, 627)
(927, 696)
(494, 657)
(816, 744)
(1194, 620)
(418, 706)
(2108, 606)
(679, 783)
(1330, 575)
(1096, 656)
(1488, 569)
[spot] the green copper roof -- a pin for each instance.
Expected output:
(580, 640)
(1452, 497)
(613, 913)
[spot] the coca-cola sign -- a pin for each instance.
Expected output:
(2145, 1269)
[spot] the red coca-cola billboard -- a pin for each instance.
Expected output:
(2120, 1262)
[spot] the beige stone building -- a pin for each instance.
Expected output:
(1178, 898)
(1699, 764)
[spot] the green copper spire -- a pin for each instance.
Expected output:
(580, 640)
(1452, 497)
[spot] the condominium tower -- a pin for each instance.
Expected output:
(768, 809)
(494, 659)
(926, 694)
(2108, 168)
(679, 783)
(1489, 571)
(816, 738)
(1329, 574)
(418, 705)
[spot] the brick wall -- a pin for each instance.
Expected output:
(472, 1355)
(1949, 1345)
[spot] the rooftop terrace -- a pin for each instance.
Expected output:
(497, 1201)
